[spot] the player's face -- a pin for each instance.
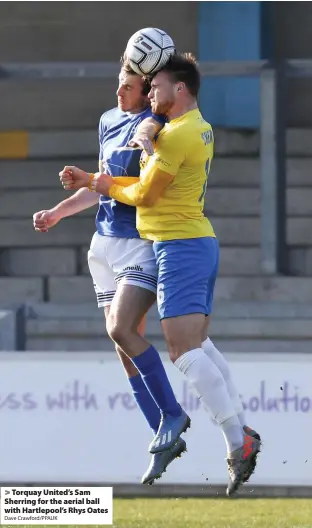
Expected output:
(162, 94)
(129, 93)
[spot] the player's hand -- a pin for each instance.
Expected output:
(102, 183)
(44, 220)
(142, 141)
(73, 178)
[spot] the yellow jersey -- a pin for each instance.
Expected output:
(183, 149)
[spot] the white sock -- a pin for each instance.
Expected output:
(233, 435)
(208, 381)
(219, 360)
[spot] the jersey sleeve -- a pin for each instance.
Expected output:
(170, 153)
(102, 128)
(145, 191)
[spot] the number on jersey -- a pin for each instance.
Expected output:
(202, 196)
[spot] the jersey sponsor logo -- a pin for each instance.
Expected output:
(163, 162)
(133, 268)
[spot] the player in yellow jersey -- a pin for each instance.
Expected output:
(169, 198)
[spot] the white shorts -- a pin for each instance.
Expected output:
(113, 260)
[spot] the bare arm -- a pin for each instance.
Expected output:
(81, 200)
(149, 127)
(145, 134)
(47, 218)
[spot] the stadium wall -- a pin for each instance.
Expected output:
(71, 404)
(48, 31)
(74, 31)
(61, 31)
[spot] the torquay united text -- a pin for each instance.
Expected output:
(49, 491)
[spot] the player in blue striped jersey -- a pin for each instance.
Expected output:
(122, 265)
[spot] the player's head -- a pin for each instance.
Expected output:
(178, 82)
(132, 92)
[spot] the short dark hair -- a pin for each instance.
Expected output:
(183, 67)
(126, 66)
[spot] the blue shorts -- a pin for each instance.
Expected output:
(187, 272)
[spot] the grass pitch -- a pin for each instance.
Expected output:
(210, 513)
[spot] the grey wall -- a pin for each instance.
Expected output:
(293, 40)
(76, 31)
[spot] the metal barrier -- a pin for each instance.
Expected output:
(272, 131)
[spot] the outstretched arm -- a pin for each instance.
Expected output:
(154, 179)
(145, 191)
(81, 200)
(45, 219)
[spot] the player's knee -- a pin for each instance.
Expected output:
(178, 347)
(183, 334)
(116, 332)
(178, 343)
(175, 350)
(173, 355)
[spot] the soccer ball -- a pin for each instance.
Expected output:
(148, 50)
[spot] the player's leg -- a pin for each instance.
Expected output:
(134, 262)
(105, 289)
(128, 307)
(221, 363)
(135, 310)
(159, 461)
(140, 393)
(183, 337)
(187, 270)
(123, 318)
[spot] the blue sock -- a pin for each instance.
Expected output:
(155, 378)
(145, 402)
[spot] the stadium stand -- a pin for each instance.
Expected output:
(58, 120)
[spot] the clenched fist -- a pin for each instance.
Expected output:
(73, 178)
(44, 220)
